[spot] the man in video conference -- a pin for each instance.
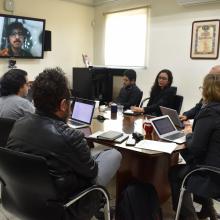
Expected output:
(16, 34)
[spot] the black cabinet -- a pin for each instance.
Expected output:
(95, 82)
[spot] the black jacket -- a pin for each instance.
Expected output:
(203, 148)
(129, 96)
(193, 112)
(160, 98)
(66, 151)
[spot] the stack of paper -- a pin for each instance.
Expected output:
(157, 146)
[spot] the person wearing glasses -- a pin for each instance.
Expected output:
(161, 94)
(193, 112)
(13, 90)
(16, 35)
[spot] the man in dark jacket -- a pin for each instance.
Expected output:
(47, 134)
(130, 94)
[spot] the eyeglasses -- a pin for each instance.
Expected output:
(162, 78)
(200, 88)
(20, 34)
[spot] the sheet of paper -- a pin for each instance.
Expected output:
(157, 146)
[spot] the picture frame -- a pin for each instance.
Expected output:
(205, 39)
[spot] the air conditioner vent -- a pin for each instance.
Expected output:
(195, 2)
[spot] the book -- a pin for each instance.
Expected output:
(109, 135)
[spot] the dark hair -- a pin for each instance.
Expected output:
(49, 88)
(12, 81)
(15, 25)
(131, 74)
(156, 86)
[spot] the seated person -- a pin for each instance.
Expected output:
(202, 149)
(130, 94)
(193, 112)
(70, 164)
(161, 94)
(13, 90)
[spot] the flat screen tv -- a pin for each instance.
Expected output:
(21, 37)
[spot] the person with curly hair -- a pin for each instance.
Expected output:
(13, 90)
(16, 34)
(46, 133)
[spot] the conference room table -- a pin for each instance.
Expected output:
(137, 164)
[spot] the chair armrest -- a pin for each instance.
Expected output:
(85, 192)
(144, 100)
(201, 168)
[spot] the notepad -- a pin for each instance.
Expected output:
(109, 135)
(156, 146)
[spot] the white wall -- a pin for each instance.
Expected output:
(169, 45)
(72, 34)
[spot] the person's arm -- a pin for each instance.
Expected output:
(164, 100)
(78, 153)
(190, 114)
(198, 142)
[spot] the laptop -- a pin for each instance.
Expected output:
(166, 130)
(82, 113)
(173, 115)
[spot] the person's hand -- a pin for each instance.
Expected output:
(183, 117)
(188, 128)
(137, 109)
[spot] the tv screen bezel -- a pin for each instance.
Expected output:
(43, 32)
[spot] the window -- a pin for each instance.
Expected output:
(125, 38)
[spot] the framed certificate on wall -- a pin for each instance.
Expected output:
(205, 39)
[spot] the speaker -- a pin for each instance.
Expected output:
(47, 40)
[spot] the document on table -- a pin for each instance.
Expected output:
(166, 147)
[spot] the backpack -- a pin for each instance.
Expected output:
(139, 201)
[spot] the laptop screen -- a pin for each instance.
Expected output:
(163, 125)
(83, 111)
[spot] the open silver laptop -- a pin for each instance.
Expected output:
(173, 116)
(166, 130)
(82, 113)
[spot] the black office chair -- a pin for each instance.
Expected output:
(143, 101)
(188, 179)
(28, 191)
(6, 125)
(140, 98)
(177, 103)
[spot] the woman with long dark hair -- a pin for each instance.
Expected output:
(161, 94)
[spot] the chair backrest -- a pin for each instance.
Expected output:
(140, 98)
(143, 101)
(27, 189)
(6, 125)
(177, 103)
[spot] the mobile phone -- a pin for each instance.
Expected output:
(130, 142)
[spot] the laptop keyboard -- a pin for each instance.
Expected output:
(175, 136)
(76, 123)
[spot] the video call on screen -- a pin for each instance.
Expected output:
(34, 34)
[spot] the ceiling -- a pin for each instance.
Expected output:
(94, 2)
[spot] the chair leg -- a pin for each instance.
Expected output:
(107, 208)
(180, 203)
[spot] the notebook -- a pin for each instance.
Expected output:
(109, 135)
(82, 113)
(166, 130)
(173, 116)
